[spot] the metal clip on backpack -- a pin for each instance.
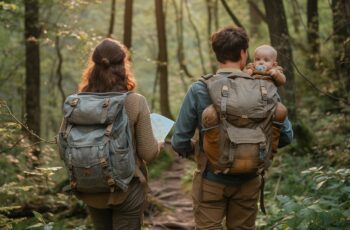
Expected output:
(95, 142)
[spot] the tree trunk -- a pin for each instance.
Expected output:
(295, 15)
(32, 33)
(180, 41)
(128, 23)
(312, 27)
(112, 19)
(279, 36)
(162, 59)
(197, 35)
(254, 19)
(341, 32)
(211, 15)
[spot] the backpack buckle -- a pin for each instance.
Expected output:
(262, 151)
(224, 91)
(263, 92)
(103, 163)
(108, 130)
(105, 103)
(74, 102)
(111, 183)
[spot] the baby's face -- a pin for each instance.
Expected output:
(264, 57)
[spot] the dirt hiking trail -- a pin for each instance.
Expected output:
(170, 206)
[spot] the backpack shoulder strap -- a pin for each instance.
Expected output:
(205, 78)
(240, 74)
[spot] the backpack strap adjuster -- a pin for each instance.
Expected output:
(105, 103)
(103, 163)
(224, 93)
(262, 151)
(111, 184)
(74, 102)
(108, 130)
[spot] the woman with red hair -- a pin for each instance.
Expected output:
(109, 70)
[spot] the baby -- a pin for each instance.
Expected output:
(265, 64)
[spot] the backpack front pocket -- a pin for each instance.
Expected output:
(243, 150)
(122, 160)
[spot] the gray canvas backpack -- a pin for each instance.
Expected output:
(245, 107)
(95, 142)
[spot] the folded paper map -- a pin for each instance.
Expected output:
(161, 126)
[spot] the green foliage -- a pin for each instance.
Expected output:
(164, 160)
(315, 199)
(318, 200)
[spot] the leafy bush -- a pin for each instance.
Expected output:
(325, 206)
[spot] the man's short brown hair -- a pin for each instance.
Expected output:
(228, 42)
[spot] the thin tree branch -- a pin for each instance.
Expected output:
(197, 35)
(59, 68)
(232, 15)
(179, 36)
(257, 10)
(111, 20)
(3, 103)
(345, 101)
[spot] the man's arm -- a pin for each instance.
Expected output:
(286, 136)
(185, 125)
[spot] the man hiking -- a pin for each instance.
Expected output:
(216, 191)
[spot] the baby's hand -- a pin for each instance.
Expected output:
(249, 71)
(273, 72)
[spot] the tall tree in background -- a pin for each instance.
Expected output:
(254, 18)
(112, 19)
(341, 32)
(197, 35)
(180, 39)
(212, 19)
(313, 27)
(128, 23)
(279, 37)
(162, 62)
(32, 33)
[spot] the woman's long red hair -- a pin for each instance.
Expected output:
(108, 69)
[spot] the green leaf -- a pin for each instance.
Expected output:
(319, 185)
(39, 217)
(49, 226)
(37, 225)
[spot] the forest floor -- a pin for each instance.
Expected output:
(170, 205)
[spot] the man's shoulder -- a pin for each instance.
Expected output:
(199, 84)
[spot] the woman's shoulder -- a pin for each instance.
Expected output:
(133, 97)
(135, 103)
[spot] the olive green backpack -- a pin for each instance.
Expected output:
(245, 106)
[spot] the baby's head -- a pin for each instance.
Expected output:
(266, 56)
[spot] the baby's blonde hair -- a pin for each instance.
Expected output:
(268, 48)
